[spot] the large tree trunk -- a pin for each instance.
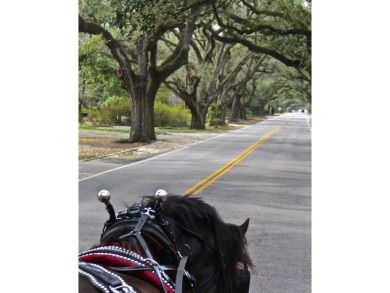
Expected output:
(198, 115)
(243, 114)
(235, 109)
(198, 120)
(82, 95)
(222, 115)
(142, 129)
(142, 110)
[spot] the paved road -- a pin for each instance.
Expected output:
(268, 179)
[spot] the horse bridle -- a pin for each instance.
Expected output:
(149, 223)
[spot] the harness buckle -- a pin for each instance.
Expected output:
(147, 211)
(157, 266)
(125, 288)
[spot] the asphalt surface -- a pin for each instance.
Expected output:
(271, 185)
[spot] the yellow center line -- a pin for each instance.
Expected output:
(217, 174)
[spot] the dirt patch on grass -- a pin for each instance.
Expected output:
(93, 147)
(97, 147)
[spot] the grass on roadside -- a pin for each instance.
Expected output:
(104, 128)
(161, 130)
(158, 130)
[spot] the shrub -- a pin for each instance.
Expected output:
(214, 112)
(170, 116)
(94, 115)
(116, 110)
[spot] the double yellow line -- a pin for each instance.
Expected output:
(213, 177)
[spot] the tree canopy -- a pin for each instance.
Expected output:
(237, 54)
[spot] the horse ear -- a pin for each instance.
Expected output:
(244, 226)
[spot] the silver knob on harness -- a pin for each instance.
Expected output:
(162, 194)
(104, 196)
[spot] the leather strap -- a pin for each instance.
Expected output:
(104, 279)
(179, 274)
(137, 232)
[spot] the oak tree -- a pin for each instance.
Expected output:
(132, 30)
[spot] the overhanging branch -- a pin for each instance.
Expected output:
(257, 49)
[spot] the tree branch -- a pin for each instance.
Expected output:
(257, 49)
(179, 56)
(114, 46)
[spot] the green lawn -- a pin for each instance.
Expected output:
(158, 130)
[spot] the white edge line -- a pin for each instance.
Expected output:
(148, 159)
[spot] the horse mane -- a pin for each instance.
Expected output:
(230, 239)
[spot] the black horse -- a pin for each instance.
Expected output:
(167, 244)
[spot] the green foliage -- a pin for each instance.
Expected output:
(283, 26)
(163, 95)
(94, 115)
(132, 20)
(308, 107)
(114, 111)
(97, 72)
(102, 10)
(214, 114)
(117, 110)
(170, 116)
(142, 15)
(132, 15)
(285, 87)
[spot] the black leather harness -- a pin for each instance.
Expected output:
(117, 258)
(146, 223)
(140, 223)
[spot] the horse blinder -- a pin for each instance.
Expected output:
(244, 278)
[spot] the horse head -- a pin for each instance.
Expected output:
(186, 232)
